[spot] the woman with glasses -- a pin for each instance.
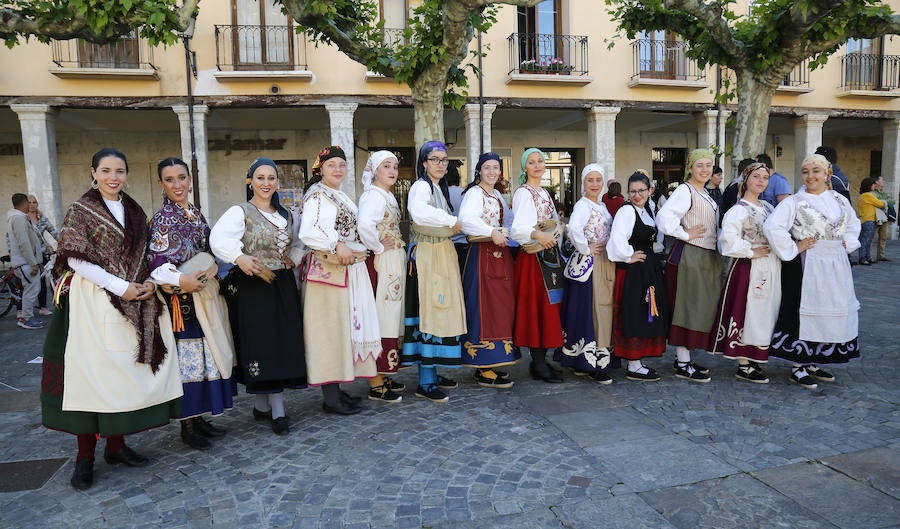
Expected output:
(694, 267)
(435, 315)
(539, 287)
(590, 277)
(487, 278)
(640, 311)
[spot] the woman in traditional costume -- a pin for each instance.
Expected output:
(640, 311)
(752, 291)
(538, 281)
(487, 278)
(590, 279)
(435, 315)
(379, 231)
(110, 366)
(178, 233)
(694, 268)
(812, 232)
(260, 237)
(343, 338)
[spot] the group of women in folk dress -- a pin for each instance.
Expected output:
(144, 333)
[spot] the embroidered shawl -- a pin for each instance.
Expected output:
(91, 233)
(177, 234)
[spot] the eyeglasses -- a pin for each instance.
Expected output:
(439, 161)
(638, 191)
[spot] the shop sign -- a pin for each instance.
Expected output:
(254, 144)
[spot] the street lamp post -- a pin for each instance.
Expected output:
(190, 68)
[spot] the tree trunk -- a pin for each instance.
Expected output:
(752, 118)
(428, 106)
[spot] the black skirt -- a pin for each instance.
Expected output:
(635, 312)
(268, 332)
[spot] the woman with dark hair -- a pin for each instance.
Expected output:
(640, 311)
(865, 206)
(379, 231)
(260, 238)
(487, 278)
(107, 367)
(694, 267)
(179, 233)
(613, 198)
(815, 325)
(750, 297)
(435, 314)
(340, 323)
(590, 277)
(538, 282)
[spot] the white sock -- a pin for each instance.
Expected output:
(635, 366)
(276, 400)
(683, 354)
(262, 402)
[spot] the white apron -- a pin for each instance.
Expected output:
(212, 314)
(391, 268)
(763, 301)
(828, 307)
(365, 333)
(101, 374)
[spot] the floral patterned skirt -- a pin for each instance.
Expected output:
(205, 391)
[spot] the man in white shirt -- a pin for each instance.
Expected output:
(25, 258)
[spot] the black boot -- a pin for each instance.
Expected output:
(539, 369)
(83, 477)
(208, 430)
(191, 435)
(334, 403)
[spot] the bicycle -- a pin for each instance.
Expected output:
(10, 290)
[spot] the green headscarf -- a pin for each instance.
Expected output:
(697, 154)
(523, 177)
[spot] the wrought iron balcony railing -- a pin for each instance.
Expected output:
(536, 53)
(125, 54)
(860, 71)
(259, 48)
(663, 59)
(799, 76)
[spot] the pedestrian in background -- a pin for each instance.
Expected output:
(613, 198)
(25, 258)
(866, 206)
(839, 181)
(45, 230)
(779, 188)
(881, 228)
(732, 191)
(713, 186)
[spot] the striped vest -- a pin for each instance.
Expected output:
(702, 213)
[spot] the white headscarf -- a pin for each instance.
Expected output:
(375, 159)
(592, 168)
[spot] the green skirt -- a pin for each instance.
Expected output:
(84, 422)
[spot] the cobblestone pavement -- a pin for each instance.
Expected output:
(575, 455)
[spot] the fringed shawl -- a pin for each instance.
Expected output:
(91, 233)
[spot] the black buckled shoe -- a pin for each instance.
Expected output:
(384, 393)
(126, 456)
(819, 374)
(650, 376)
(191, 435)
(687, 371)
(446, 383)
(697, 367)
(83, 477)
(751, 373)
(544, 373)
(432, 393)
(396, 387)
(208, 429)
(483, 378)
(341, 408)
(801, 377)
(601, 377)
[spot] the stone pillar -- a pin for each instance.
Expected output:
(807, 137)
(601, 140)
(201, 149)
(890, 162)
(341, 117)
(473, 137)
(38, 124)
(706, 132)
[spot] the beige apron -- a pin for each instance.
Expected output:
(441, 309)
(212, 314)
(389, 291)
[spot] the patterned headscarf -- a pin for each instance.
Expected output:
(591, 168)
(427, 148)
(275, 201)
(523, 176)
(746, 174)
(697, 154)
(375, 160)
(325, 154)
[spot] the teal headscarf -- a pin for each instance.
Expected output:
(523, 177)
(697, 154)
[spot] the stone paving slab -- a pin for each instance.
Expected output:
(878, 467)
(845, 502)
(734, 501)
(607, 426)
(627, 511)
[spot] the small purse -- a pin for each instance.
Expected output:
(579, 267)
(323, 271)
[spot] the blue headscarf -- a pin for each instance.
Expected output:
(426, 150)
(485, 156)
(276, 203)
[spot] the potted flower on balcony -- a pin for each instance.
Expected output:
(558, 66)
(529, 66)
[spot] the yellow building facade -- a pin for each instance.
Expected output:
(549, 81)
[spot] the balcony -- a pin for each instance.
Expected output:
(545, 58)
(128, 58)
(870, 75)
(796, 82)
(659, 63)
(260, 53)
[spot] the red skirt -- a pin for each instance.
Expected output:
(537, 321)
(629, 347)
